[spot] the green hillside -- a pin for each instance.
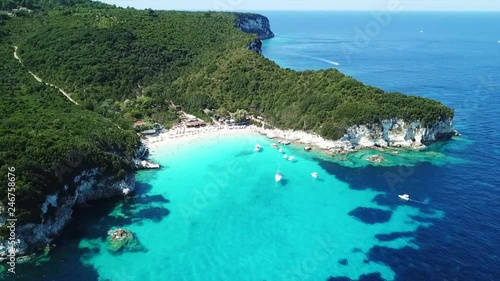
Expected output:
(121, 65)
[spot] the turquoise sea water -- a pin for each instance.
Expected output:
(230, 220)
(214, 212)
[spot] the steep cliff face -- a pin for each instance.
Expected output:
(398, 133)
(388, 133)
(254, 24)
(58, 208)
(255, 46)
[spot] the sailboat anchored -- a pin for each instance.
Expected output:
(278, 176)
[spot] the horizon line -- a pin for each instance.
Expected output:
(311, 10)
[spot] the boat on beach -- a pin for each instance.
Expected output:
(404, 196)
(257, 147)
(278, 176)
(314, 175)
(284, 142)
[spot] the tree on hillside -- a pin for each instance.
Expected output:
(240, 115)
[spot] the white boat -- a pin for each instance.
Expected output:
(291, 158)
(314, 175)
(257, 147)
(274, 145)
(281, 150)
(285, 156)
(404, 197)
(278, 176)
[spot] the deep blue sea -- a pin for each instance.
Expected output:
(448, 56)
(214, 211)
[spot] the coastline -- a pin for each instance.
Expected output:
(182, 136)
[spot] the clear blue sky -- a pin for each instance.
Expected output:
(261, 5)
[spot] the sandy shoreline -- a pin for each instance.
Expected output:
(182, 136)
(179, 137)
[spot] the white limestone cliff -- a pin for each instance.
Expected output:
(388, 133)
(88, 185)
(254, 24)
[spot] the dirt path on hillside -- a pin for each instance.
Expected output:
(40, 79)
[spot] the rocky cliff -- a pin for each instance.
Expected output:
(255, 46)
(254, 24)
(92, 184)
(388, 133)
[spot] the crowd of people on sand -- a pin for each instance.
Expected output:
(183, 132)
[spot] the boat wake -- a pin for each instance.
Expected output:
(318, 59)
(406, 197)
(416, 201)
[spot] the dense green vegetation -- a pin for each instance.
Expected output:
(124, 64)
(49, 140)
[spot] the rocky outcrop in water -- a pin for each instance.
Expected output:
(254, 24)
(121, 240)
(88, 185)
(377, 158)
(58, 208)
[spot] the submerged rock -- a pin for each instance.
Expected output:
(121, 240)
(377, 158)
(371, 215)
(343, 262)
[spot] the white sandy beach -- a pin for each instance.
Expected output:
(357, 138)
(182, 136)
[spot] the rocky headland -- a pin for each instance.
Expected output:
(388, 133)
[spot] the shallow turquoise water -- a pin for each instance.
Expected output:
(229, 219)
(251, 229)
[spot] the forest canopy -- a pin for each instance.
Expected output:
(123, 64)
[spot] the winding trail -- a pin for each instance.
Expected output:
(16, 56)
(40, 79)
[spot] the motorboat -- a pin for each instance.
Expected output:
(285, 156)
(281, 150)
(404, 196)
(291, 158)
(278, 176)
(314, 175)
(257, 147)
(273, 145)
